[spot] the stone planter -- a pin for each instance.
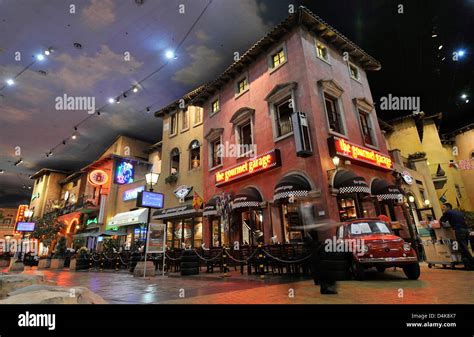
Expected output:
(44, 263)
(57, 263)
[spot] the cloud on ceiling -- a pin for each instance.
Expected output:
(205, 61)
(99, 14)
(84, 72)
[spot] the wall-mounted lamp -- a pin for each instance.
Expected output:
(336, 160)
(411, 198)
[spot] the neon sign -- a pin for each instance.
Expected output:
(98, 177)
(133, 193)
(124, 172)
(249, 167)
(349, 150)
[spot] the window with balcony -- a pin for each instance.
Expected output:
(322, 51)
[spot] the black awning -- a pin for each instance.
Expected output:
(211, 207)
(292, 185)
(347, 182)
(383, 190)
(248, 197)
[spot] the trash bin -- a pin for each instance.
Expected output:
(189, 263)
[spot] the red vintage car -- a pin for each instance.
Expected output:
(377, 247)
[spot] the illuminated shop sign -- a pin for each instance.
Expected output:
(20, 215)
(133, 193)
(341, 147)
(91, 221)
(150, 199)
(261, 163)
(98, 177)
(25, 226)
(124, 172)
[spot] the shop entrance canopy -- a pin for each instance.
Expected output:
(138, 216)
(385, 191)
(211, 207)
(248, 197)
(292, 185)
(347, 182)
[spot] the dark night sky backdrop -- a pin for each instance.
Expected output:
(411, 65)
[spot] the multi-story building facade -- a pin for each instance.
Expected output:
(417, 138)
(7, 222)
(181, 173)
(460, 143)
(292, 138)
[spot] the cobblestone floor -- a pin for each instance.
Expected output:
(435, 286)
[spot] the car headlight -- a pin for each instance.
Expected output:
(406, 247)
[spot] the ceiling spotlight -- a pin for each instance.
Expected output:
(74, 135)
(98, 113)
(10, 81)
(434, 35)
(40, 57)
(18, 162)
(467, 101)
(117, 100)
(148, 109)
(135, 89)
(111, 100)
(463, 96)
(170, 54)
(460, 52)
(124, 95)
(75, 128)
(48, 51)
(49, 154)
(440, 47)
(64, 142)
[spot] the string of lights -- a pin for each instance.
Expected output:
(169, 54)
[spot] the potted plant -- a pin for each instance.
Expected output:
(5, 259)
(59, 254)
(81, 261)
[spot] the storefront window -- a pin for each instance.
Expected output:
(169, 234)
(368, 208)
(347, 208)
(194, 154)
(184, 233)
(291, 219)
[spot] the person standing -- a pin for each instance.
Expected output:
(458, 223)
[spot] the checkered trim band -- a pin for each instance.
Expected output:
(210, 212)
(245, 204)
(284, 195)
(390, 196)
(354, 189)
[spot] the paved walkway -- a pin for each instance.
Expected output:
(435, 286)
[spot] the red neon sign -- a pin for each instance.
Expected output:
(249, 167)
(20, 215)
(98, 177)
(352, 151)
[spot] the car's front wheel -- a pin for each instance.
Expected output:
(412, 271)
(358, 270)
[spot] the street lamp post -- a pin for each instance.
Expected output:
(28, 214)
(151, 179)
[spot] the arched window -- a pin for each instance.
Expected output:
(194, 154)
(174, 164)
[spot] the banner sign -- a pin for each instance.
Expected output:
(156, 242)
(133, 193)
(261, 163)
(344, 148)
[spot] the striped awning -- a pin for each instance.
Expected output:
(347, 182)
(383, 190)
(247, 198)
(210, 208)
(291, 186)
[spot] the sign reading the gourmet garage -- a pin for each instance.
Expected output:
(261, 163)
(341, 147)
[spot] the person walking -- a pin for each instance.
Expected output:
(327, 266)
(458, 223)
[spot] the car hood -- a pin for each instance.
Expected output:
(380, 238)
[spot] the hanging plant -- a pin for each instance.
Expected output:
(171, 179)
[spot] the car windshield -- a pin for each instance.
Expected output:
(370, 227)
